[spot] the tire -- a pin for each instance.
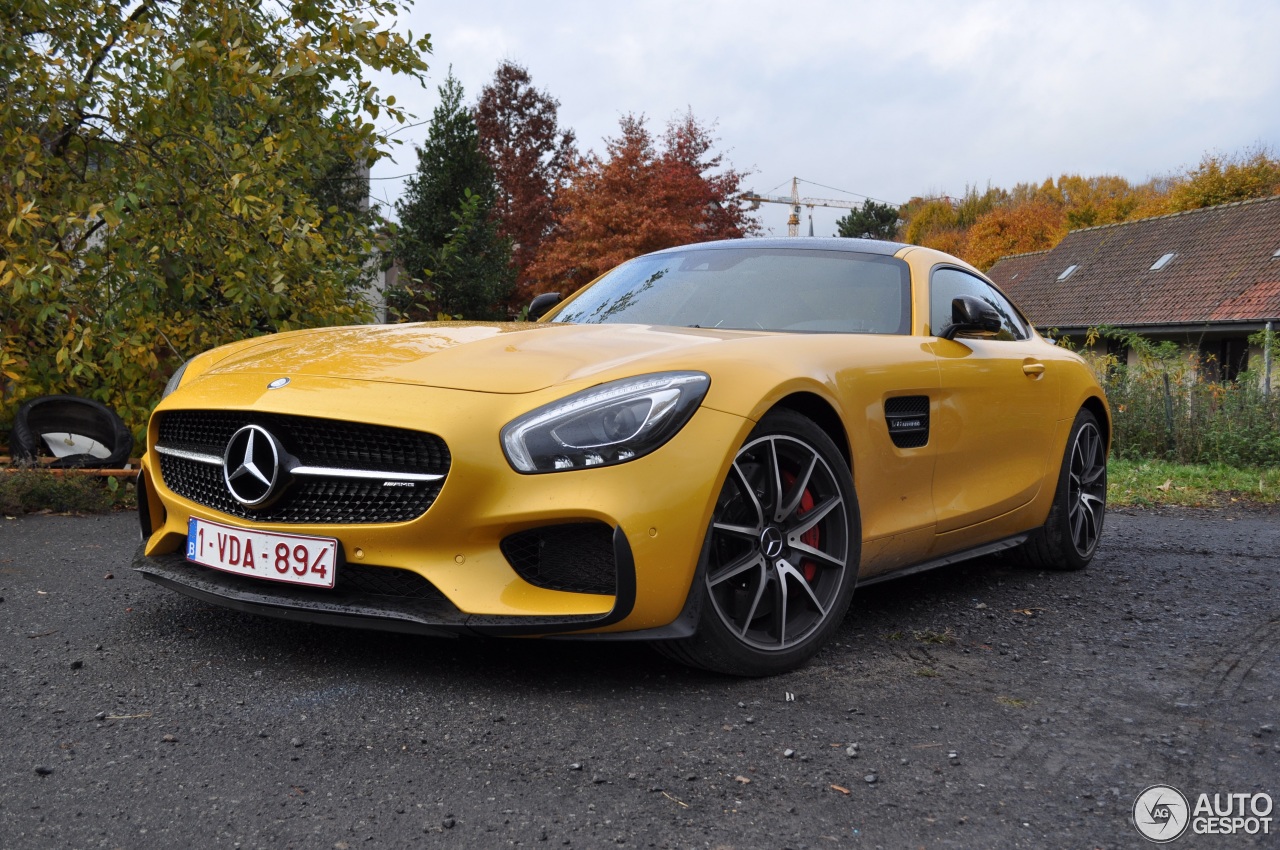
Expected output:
(1070, 535)
(70, 414)
(780, 560)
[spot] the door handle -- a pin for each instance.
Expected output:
(1033, 368)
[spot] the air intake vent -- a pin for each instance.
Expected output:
(908, 420)
(577, 557)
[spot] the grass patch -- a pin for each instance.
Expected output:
(1012, 702)
(1150, 483)
(928, 672)
(30, 490)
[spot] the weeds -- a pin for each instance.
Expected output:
(1164, 408)
(28, 490)
(945, 638)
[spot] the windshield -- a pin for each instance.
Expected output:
(770, 289)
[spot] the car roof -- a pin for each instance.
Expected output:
(805, 243)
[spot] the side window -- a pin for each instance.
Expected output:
(946, 284)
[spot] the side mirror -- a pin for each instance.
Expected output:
(539, 306)
(971, 315)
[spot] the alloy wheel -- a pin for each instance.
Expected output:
(779, 544)
(1087, 489)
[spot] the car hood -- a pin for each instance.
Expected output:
(495, 358)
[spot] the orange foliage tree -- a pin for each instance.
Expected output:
(1034, 226)
(983, 227)
(933, 223)
(640, 197)
(944, 222)
(529, 152)
(1225, 179)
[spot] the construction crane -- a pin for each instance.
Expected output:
(795, 202)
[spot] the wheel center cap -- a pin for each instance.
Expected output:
(771, 542)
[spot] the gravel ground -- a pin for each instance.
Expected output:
(978, 706)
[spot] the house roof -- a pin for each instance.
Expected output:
(1220, 264)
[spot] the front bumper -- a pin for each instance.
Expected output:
(654, 509)
(374, 598)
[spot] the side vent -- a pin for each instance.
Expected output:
(908, 420)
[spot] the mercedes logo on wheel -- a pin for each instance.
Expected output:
(251, 465)
(771, 542)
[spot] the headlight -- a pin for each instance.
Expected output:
(605, 425)
(174, 380)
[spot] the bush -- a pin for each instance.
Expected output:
(29, 490)
(1162, 409)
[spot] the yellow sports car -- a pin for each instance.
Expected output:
(707, 448)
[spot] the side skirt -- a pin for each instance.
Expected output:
(964, 555)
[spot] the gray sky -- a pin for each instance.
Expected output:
(889, 99)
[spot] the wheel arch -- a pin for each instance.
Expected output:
(1098, 408)
(818, 410)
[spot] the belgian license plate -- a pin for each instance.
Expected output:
(293, 558)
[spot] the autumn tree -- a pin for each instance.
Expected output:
(933, 223)
(1034, 226)
(1222, 179)
(530, 155)
(981, 227)
(160, 167)
(640, 197)
(698, 182)
(873, 221)
(454, 259)
(973, 204)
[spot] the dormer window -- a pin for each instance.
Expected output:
(1162, 262)
(1068, 272)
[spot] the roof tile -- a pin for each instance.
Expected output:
(1223, 269)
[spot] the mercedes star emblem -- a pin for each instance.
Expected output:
(251, 465)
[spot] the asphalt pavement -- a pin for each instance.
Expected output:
(979, 706)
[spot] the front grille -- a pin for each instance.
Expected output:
(317, 442)
(314, 442)
(577, 557)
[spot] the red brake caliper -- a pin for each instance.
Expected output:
(811, 538)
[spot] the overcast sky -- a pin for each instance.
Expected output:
(888, 99)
